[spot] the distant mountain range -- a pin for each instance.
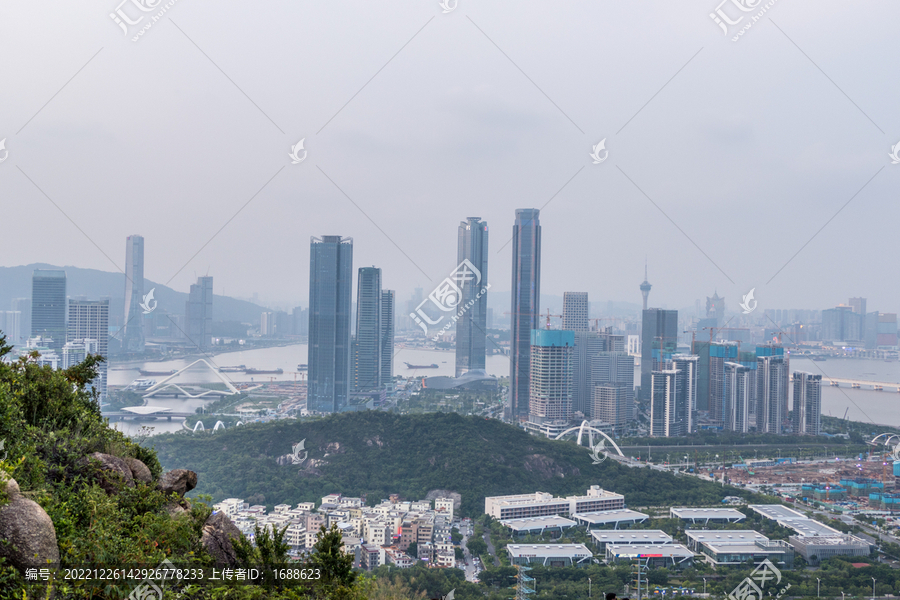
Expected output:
(15, 282)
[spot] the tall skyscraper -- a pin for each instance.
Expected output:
(575, 311)
(645, 287)
(387, 338)
(133, 338)
(550, 381)
(368, 330)
(719, 354)
(737, 398)
(807, 413)
(688, 375)
(471, 327)
(587, 345)
(198, 313)
(612, 385)
(771, 388)
(525, 306)
(330, 283)
(48, 307)
(89, 320)
(668, 410)
(659, 340)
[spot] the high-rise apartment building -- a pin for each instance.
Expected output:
(330, 283)
(89, 320)
(771, 388)
(575, 311)
(368, 330)
(48, 307)
(524, 309)
(387, 338)
(719, 354)
(133, 337)
(613, 404)
(688, 368)
(587, 345)
(841, 324)
(807, 411)
(668, 404)
(198, 313)
(471, 326)
(659, 340)
(551, 376)
(737, 398)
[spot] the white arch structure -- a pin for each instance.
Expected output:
(199, 425)
(164, 384)
(585, 426)
(887, 438)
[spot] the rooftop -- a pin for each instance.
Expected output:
(630, 536)
(649, 550)
(611, 516)
(707, 513)
(544, 550)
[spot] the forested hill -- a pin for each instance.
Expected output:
(378, 453)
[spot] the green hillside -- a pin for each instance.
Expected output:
(377, 453)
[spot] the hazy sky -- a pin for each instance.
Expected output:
(424, 118)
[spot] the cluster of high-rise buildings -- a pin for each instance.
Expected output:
(344, 364)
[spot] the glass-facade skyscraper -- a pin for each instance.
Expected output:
(48, 307)
(330, 292)
(198, 313)
(472, 245)
(133, 338)
(367, 370)
(525, 306)
(659, 340)
(89, 320)
(387, 338)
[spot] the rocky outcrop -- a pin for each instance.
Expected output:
(139, 471)
(9, 486)
(28, 529)
(178, 481)
(218, 531)
(115, 472)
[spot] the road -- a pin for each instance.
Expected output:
(470, 570)
(490, 546)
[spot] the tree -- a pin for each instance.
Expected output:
(336, 565)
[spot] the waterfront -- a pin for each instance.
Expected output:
(865, 405)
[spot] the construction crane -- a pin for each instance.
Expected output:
(597, 321)
(548, 315)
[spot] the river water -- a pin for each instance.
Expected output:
(864, 405)
(283, 357)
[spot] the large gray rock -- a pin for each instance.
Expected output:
(139, 470)
(116, 472)
(31, 535)
(9, 486)
(218, 531)
(178, 481)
